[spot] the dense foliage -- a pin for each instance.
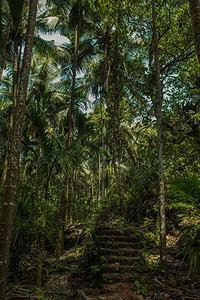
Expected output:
(89, 142)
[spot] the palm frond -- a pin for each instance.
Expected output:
(69, 157)
(187, 190)
(22, 230)
(40, 125)
(49, 49)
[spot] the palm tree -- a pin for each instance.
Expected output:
(54, 159)
(76, 23)
(13, 156)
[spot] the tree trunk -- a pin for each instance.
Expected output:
(92, 189)
(99, 178)
(39, 267)
(117, 91)
(106, 68)
(71, 109)
(111, 188)
(63, 213)
(13, 158)
(15, 72)
(195, 14)
(102, 155)
(106, 72)
(160, 143)
(41, 243)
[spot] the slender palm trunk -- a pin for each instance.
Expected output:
(195, 14)
(15, 72)
(106, 72)
(116, 112)
(13, 158)
(102, 155)
(63, 213)
(106, 69)
(41, 239)
(70, 117)
(92, 190)
(39, 267)
(71, 108)
(99, 180)
(160, 143)
(111, 188)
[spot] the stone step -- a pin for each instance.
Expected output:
(118, 244)
(118, 277)
(122, 238)
(117, 268)
(109, 232)
(117, 286)
(123, 268)
(123, 259)
(118, 252)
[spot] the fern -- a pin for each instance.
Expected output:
(187, 193)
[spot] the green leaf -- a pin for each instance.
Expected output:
(16, 11)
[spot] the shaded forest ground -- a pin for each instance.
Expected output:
(78, 274)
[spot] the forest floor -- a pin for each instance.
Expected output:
(77, 276)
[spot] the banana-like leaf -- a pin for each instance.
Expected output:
(16, 11)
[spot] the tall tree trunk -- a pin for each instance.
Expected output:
(106, 68)
(160, 143)
(92, 194)
(111, 188)
(106, 72)
(195, 14)
(70, 117)
(117, 91)
(63, 213)
(15, 72)
(39, 267)
(13, 158)
(41, 239)
(102, 155)
(71, 108)
(99, 180)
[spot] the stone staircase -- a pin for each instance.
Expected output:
(121, 251)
